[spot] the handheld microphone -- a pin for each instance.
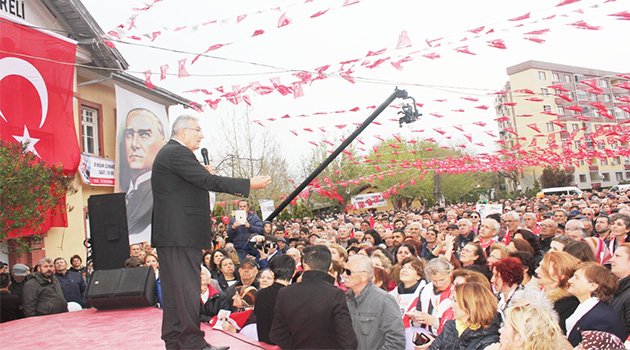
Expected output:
(204, 154)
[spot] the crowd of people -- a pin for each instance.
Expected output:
(544, 273)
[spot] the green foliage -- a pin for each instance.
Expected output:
(300, 210)
(28, 189)
(284, 215)
(398, 164)
(218, 211)
(555, 177)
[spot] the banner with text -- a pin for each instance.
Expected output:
(96, 171)
(368, 200)
(487, 209)
(266, 207)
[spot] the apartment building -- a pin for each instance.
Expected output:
(548, 107)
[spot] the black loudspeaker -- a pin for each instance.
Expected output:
(122, 288)
(108, 230)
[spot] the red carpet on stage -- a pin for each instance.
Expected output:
(92, 329)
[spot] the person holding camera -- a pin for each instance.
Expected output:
(241, 228)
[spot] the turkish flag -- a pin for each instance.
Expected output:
(36, 91)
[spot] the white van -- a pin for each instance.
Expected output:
(569, 190)
(620, 188)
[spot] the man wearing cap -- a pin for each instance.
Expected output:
(18, 278)
(247, 270)
(42, 293)
(10, 304)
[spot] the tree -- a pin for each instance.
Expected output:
(250, 152)
(29, 189)
(555, 177)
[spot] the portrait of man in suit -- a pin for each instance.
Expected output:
(143, 137)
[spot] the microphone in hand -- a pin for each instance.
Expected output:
(204, 154)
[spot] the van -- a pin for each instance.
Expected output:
(620, 188)
(569, 190)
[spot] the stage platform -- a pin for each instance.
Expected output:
(133, 329)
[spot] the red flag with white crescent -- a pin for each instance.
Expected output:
(36, 96)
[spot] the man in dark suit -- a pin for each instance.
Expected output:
(313, 314)
(181, 229)
(283, 268)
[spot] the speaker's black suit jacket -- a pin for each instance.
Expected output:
(181, 209)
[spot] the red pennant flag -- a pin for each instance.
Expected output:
(477, 30)
(498, 43)
(566, 2)
(464, 49)
(625, 15)
(319, 13)
(36, 103)
(534, 127)
(432, 55)
(403, 40)
(538, 32)
(536, 40)
(181, 73)
(520, 18)
(283, 20)
(258, 32)
(163, 71)
(584, 25)
(147, 80)
(481, 124)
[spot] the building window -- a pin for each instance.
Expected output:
(582, 177)
(550, 127)
(581, 95)
(604, 161)
(627, 174)
(577, 144)
(546, 108)
(544, 91)
(592, 97)
(91, 130)
(561, 110)
(616, 161)
(567, 78)
(619, 176)
(606, 98)
(582, 163)
(606, 177)
(601, 145)
(603, 83)
(574, 126)
(542, 75)
(555, 76)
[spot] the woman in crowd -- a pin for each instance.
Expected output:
(267, 228)
(554, 273)
(403, 251)
(473, 257)
(411, 282)
(507, 276)
(527, 260)
(212, 263)
(229, 275)
(498, 251)
(531, 327)
(461, 276)
(620, 266)
(338, 253)
(593, 285)
(558, 243)
(382, 280)
(211, 298)
(476, 325)
(580, 250)
(382, 260)
(265, 278)
(373, 237)
(475, 218)
(620, 231)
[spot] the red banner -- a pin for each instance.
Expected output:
(36, 91)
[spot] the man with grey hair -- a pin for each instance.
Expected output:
(181, 228)
(512, 222)
(548, 230)
(375, 315)
(530, 223)
(488, 233)
(465, 234)
(574, 229)
(42, 293)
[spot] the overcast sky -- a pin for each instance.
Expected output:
(350, 32)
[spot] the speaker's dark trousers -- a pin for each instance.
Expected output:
(180, 269)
